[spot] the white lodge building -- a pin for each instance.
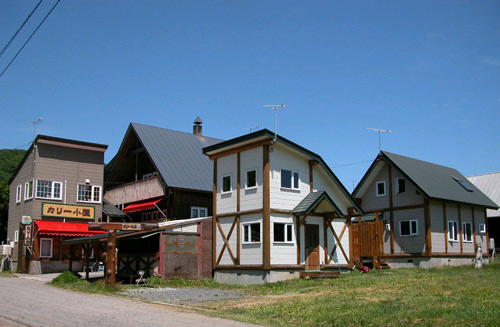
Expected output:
(278, 211)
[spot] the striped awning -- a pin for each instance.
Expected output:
(64, 229)
(141, 206)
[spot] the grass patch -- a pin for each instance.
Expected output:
(449, 296)
(7, 273)
(70, 281)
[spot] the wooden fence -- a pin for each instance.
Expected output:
(368, 241)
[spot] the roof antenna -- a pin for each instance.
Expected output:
(379, 131)
(39, 120)
(251, 129)
(275, 107)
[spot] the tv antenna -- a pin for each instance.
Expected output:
(39, 120)
(275, 107)
(379, 131)
(251, 129)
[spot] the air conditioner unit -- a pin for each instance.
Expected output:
(5, 250)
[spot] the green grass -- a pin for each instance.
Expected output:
(458, 296)
(70, 281)
(7, 273)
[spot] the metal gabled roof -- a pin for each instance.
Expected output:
(489, 184)
(433, 181)
(178, 156)
(311, 201)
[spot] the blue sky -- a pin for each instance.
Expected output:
(427, 70)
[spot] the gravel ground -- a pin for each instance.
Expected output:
(184, 296)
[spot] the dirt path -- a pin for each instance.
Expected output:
(25, 302)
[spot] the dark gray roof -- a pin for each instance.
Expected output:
(435, 181)
(112, 211)
(307, 205)
(178, 156)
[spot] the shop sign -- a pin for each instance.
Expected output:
(26, 220)
(68, 211)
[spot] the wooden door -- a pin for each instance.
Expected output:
(312, 247)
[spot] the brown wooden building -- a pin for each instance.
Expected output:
(160, 174)
(54, 193)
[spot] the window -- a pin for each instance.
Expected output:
(88, 193)
(91, 256)
(408, 227)
(467, 232)
(380, 188)
(226, 184)
(18, 193)
(197, 212)
(150, 175)
(400, 185)
(48, 190)
(251, 233)
(283, 233)
(290, 179)
(46, 248)
(482, 228)
(180, 243)
(28, 190)
(251, 179)
(453, 231)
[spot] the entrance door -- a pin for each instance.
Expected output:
(312, 247)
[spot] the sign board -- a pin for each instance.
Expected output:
(26, 220)
(131, 227)
(68, 211)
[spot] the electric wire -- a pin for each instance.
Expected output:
(19, 29)
(32, 34)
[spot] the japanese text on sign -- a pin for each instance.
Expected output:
(67, 211)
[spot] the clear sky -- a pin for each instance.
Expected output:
(427, 70)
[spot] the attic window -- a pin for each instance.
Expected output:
(462, 183)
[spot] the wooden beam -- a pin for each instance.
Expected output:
(298, 240)
(240, 213)
(122, 226)
(238, 181)
(416, 206)
(312, 164)
(474, 228)
(266, 189)
(445, 222)
(428, 228)
(391, 209)
(238, 241)
(110, 272)
(247, 147)
(338, 242)
(460, 229)
(226, 241)
(487, 233)
(302, 221)
(214, 216)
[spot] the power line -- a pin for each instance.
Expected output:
(54, 7)
(352, 164)
(19, 29)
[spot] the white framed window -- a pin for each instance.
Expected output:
(16, 235)
(482, 228)
(453, 231)
(18, 193)
(226, 184)
(400, 185)
(197, 212)
(283, 233)
(91, 256)
(251, 181)
(408, 227)
(46, 248)
(88, 193)
(380, 188)
(467, 232)
(290, 179)
(48, 190)
(251, 233)
(28, 190)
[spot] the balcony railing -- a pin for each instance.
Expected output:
(136, 191)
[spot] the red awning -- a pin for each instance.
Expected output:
(65, 229)
(141, 206)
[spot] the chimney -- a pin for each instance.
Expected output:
(197, 126)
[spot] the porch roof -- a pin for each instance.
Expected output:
(64, 229)
(312, 201)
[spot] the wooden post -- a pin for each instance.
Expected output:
(111, 258)
(391, 209)
(266, 189)
(460, 229)
(86, 249)
(428, 228)
(71, 250)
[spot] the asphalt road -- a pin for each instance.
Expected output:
(25, 302)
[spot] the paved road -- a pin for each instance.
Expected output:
(27, 302)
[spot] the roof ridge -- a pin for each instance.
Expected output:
(420, 160)
(485, 174)
(176, 131)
